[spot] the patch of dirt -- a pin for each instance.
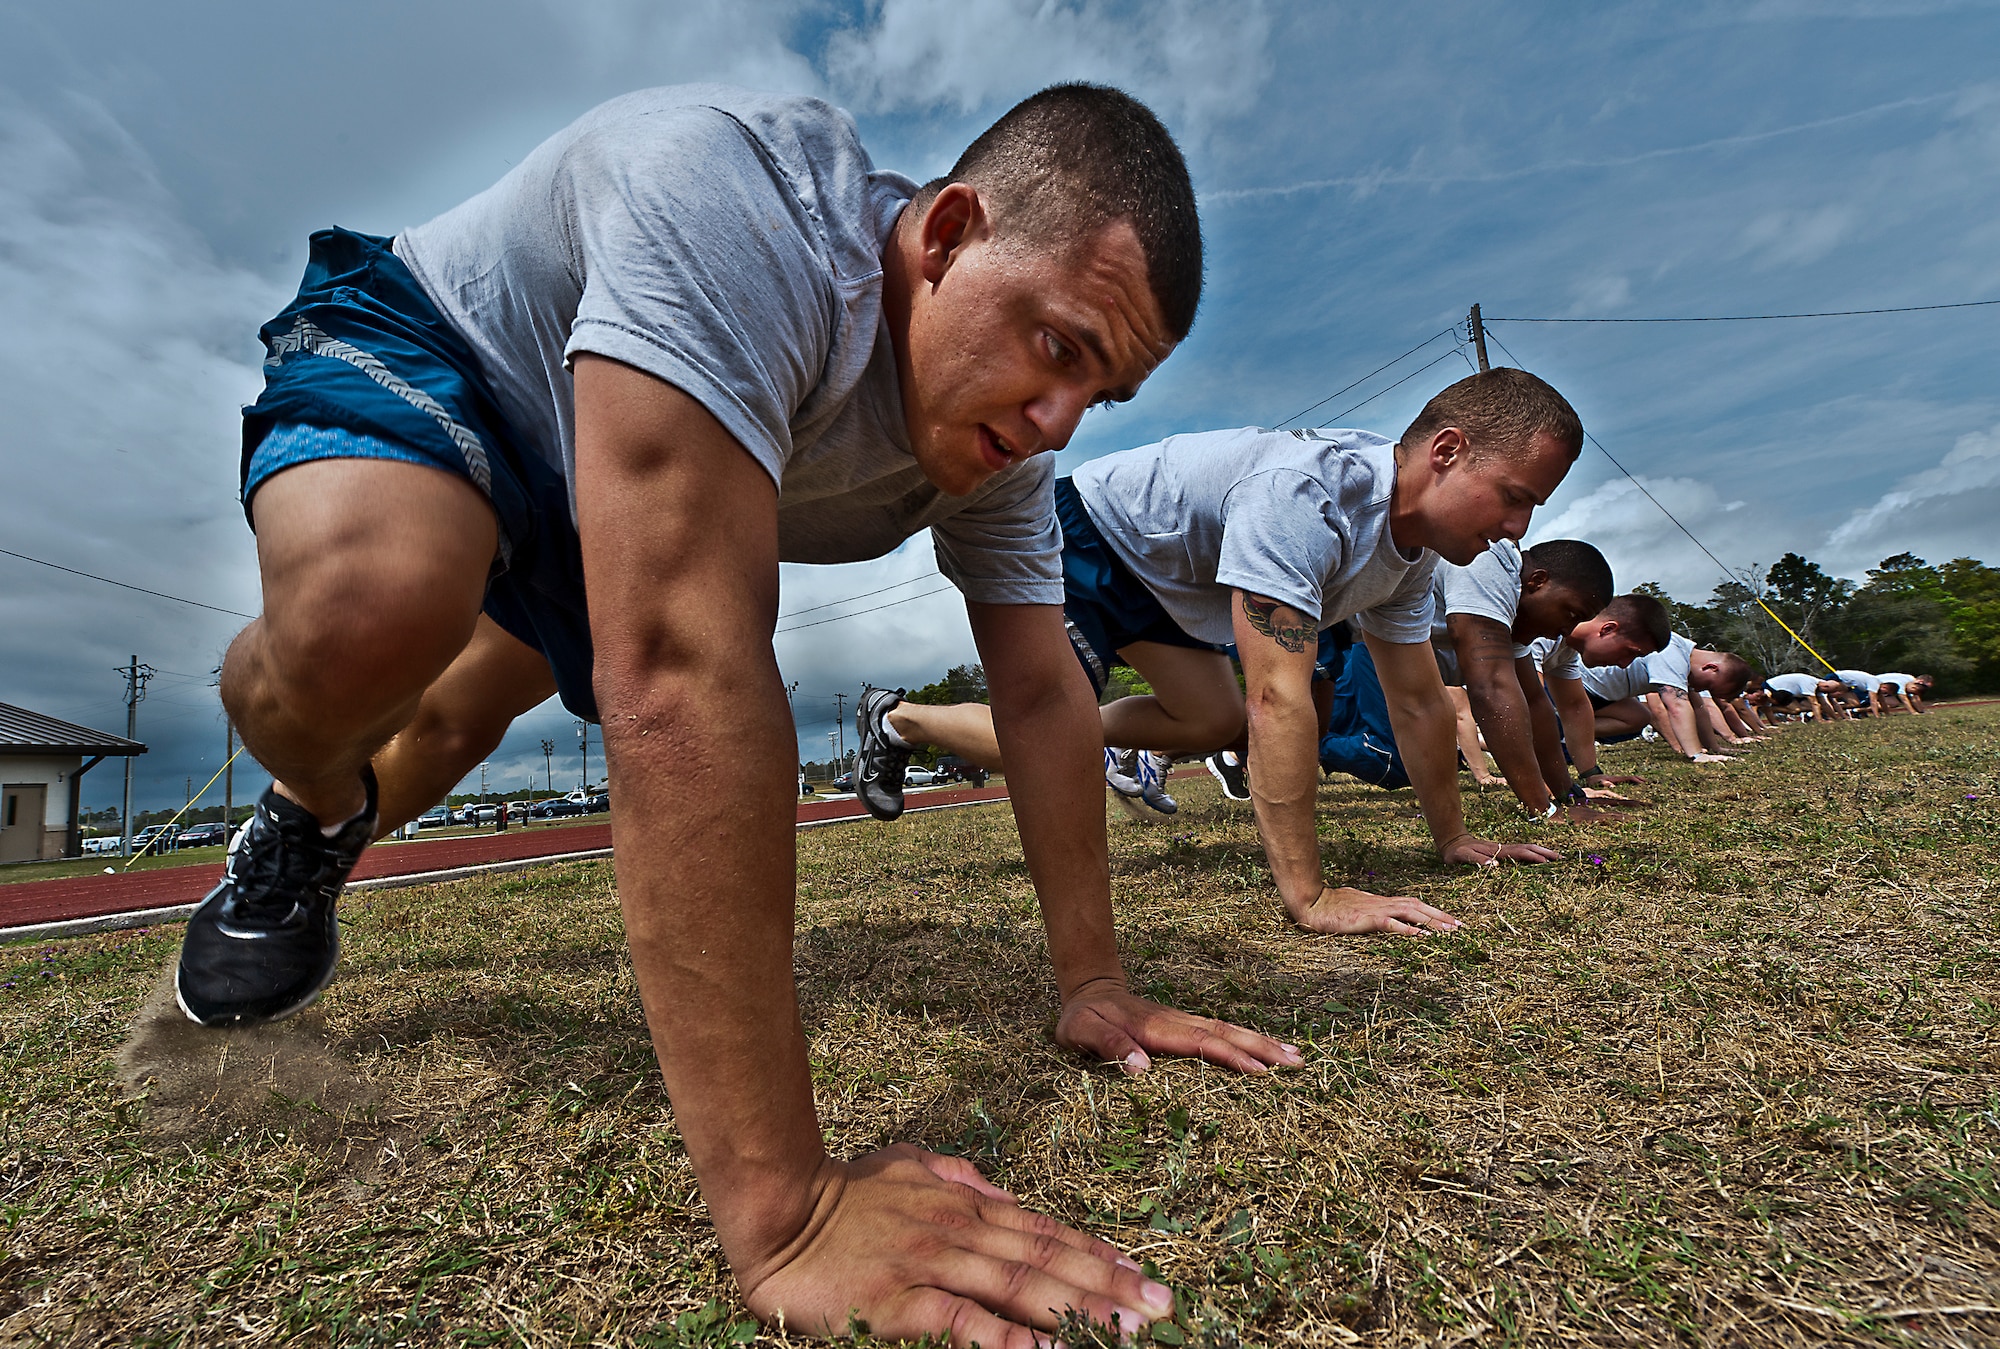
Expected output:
(197, 1085)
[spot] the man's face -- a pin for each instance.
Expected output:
(1604, 641)
(1831, 686)
(1547, 610)
(1008, 344)
(1481, 493)
(1705, 675)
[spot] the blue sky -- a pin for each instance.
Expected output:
(1367, 172)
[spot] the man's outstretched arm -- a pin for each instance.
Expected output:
(1422, 718)
(679, 531)
(1052, 739)
(1276, 644)
(1500, 702)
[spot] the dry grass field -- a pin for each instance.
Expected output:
(1729, 1075)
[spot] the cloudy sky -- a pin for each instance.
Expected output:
(1367, 172)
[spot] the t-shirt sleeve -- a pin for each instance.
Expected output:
(1485, 588)
(1405, 617)
(1005, 548)
(1668, 668)
(1278, 540)
(702, 267)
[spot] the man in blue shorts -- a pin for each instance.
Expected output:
(694, 335)
(1263, 538)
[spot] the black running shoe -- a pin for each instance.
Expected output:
(1227, 769)
(265, 941)
(879, 765)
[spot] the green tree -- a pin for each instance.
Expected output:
(961, 684)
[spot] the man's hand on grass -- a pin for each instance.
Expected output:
(1481, 852)
(1606, 797)
(1611, 780)
(913, 1244)
(1345, 912)
(1711, 758)
(1114, 1025)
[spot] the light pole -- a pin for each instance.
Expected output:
(583, 744)
(482, 784)
(548, 765)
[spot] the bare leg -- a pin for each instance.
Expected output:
(459, 721)
(964, 729)
(1622, 717)
(373, 575)
(1196, 706)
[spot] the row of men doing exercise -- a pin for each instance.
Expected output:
(560, 440)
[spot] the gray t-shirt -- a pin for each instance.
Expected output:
(1301, 517)
(1667, 668)
(1613, 683)
(729, 243)
(1859, 680)
(1900, 681)
(1489, 586)
(1556, 658)
(1798, 685)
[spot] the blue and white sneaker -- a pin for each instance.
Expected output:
(879, 762)
(1137, 778)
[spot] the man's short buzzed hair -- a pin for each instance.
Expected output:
(1643, 615)
(1575, 566)
(1734, 677)
(1500, 409)
(1066, 162)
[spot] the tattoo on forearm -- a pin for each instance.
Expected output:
(1280, 622)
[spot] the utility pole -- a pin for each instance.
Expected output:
(548, 765)
(583, 743)
(482, 784)
(136, 676)
(228, 773)
(830, 740)
(1475, 327)
(840, 725)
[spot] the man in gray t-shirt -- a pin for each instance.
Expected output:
(560, 439)
(1264, 538)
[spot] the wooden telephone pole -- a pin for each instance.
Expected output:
(1476, 327)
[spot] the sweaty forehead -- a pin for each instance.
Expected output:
(1100, 286)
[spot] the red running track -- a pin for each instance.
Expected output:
(28, 902)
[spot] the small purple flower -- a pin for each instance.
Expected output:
(1368, 873)
(1596, 861)
(1971, 798)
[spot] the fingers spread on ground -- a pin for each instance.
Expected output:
(1089, 1271)
(1042, 1225)
(961, 1172)
(1027, 1294)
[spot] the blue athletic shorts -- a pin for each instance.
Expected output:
(1105, 607)
(361, 365)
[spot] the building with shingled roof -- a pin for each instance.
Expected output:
(42, 763)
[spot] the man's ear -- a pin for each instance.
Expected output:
(955, 216)
(1533, 579)
(1447, 447)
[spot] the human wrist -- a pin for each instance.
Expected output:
(1543, 815)
(763, 1228)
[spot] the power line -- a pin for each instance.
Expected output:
(814, 608)
(1758, 318)
(821, 622)
(1370, 375)
(1404, 380)
(1720, 565)
(124, 585)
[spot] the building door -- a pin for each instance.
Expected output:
(22, 808)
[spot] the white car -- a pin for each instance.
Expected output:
(913, 776)
(109, 843)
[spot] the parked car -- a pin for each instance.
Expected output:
(916, 775)
(600, 803)
(208, 835)
(478, 814)
(437, 817)
(844, 783)
(557, 808)
(951, 768)
(154, 838)
(106, 843)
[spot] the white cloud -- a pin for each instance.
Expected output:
(1641, 543)
(1196, 64)
(1943, 512)
(126, 353)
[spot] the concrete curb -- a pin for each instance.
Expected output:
(116, 922)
